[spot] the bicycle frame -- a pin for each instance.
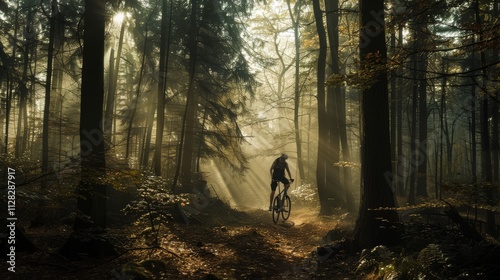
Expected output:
(281, 193)
(281, 204)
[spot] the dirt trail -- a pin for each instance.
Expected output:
(253, 248)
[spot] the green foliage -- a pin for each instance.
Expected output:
(151, 206)
(430, 252)
(385, 264)
(431, 258)
(378, 260)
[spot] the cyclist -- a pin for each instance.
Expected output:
(278, 175)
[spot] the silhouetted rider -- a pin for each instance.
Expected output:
(278, 175)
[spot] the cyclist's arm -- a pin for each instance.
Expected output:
(288, 170)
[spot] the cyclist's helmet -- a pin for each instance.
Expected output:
(284, 156)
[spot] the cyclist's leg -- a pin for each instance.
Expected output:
(285, 182)
(274, 184)
(271, 200)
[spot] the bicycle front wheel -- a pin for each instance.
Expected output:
(287, 208)
(276, 209)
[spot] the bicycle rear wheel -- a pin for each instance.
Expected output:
(287, 207)
(276, 209)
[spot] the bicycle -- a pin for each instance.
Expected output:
(282, 204)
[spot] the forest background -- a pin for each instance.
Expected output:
(215, 90)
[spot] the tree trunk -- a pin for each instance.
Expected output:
(92, 191)
(56, 106)
(136, 99)
(186, 151)
(494, 114)
(375, 226)
(48, 88)
(443, 121)
(394, 109)
(21, 135)
(400, 171)
(322, 127)
(8, 108)
(334, 99)
(114, 69)
(414, 156)
(162, 78)
(297, 95)
(10, 84)
(421, 189)
(146, 150)
(108, 114)
(487, 172)
(346, 156)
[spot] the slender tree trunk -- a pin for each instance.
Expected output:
(421, 189)
(162, 78)
(137, 94)
(400, 171)
(113, 84)
(472, 128)
(10, 81)
(48, 88)
(375, 227)
(23, 92)
(295, 17)
(29, 123)
(21, 136)
(2, 120)
(394, 109)
(8, 107)
(346, 156)
(443, 120)
(56, 106)
(322, 127)
(108, 113)
(146, 151)
(448, 141)
(494, 113)
(413, 164)
(186, 151)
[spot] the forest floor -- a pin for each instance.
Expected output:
(228, 245)
(223, 243)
